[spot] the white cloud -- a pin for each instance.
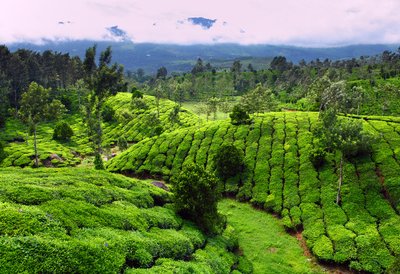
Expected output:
(300, 22)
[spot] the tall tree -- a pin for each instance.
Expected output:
(37, 107)
(102, 81)
(259, 100)
(199, 67)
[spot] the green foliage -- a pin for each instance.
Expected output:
(239, 116)
(122, 143)
(108, 113)
(98, 161)
(280, 177)
(62, 131)
(136, 93)
(196, 193)
(85, 221)
(228, 161)
(3, 154)
(258, 100)
(317, 156)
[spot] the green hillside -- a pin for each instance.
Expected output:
(363, 231)
(84, 221)
(131, 124)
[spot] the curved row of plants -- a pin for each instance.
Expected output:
(362, 231)
(124, 122)
(84, 221)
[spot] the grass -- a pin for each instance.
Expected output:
(264, 241)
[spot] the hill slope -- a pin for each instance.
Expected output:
(85, 221)
(130, 124)
(363, 231)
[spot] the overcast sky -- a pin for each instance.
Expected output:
(294, 22)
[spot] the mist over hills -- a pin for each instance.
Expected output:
(181, 58)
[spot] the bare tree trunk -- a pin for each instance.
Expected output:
(35, 146)
(99, 131)
(340, 180)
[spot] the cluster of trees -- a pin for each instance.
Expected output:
(297, 86)
(42, 87)
(18, 69)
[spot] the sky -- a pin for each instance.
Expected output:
(311, 23)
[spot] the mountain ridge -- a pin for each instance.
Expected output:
(181, 58)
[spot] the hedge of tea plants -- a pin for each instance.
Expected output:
(83, 221)
(362, 231)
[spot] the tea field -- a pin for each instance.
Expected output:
(84, 221)
(131, 124)
(363, 231)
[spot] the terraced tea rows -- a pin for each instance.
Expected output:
(84, 221)
(133, 125)
(362, 231)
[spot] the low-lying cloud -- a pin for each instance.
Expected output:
(300, 22)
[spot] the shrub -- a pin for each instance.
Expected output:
(136, 93)
(239, 116)
(62, 131)
(196, 196)
(228, 161)
(323, 248)
(107, 113)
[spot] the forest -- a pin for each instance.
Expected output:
(104, 170)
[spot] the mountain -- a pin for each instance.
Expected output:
(181, 58)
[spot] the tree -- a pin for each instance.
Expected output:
(36, 107)
(3, 154)
(236, 73)
(199, 67)
(212, 105)
(174, 114)
(259, 100)
(196, 194)
(228, 161)
(225, 106)
(239, 116)
(161, 73)
(346, 136)
(334, 97)
(102, 81)
(158, 94)
(4, 100)
(62, 131)
(136, 93)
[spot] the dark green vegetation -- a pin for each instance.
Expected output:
(196, 195)
(271, 252)
(362, 231)
(82, 221)
(180, 57)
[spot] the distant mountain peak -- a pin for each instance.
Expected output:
(205, 23)
(117, 34)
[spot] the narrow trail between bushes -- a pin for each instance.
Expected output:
(265, 243)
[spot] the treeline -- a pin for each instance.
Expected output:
(365, 81)
(18, 69)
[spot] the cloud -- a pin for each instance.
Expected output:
(300, 22)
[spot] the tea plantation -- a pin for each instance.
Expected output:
(82, 221)
(363, 231)
(77, 220)
(132, 125)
